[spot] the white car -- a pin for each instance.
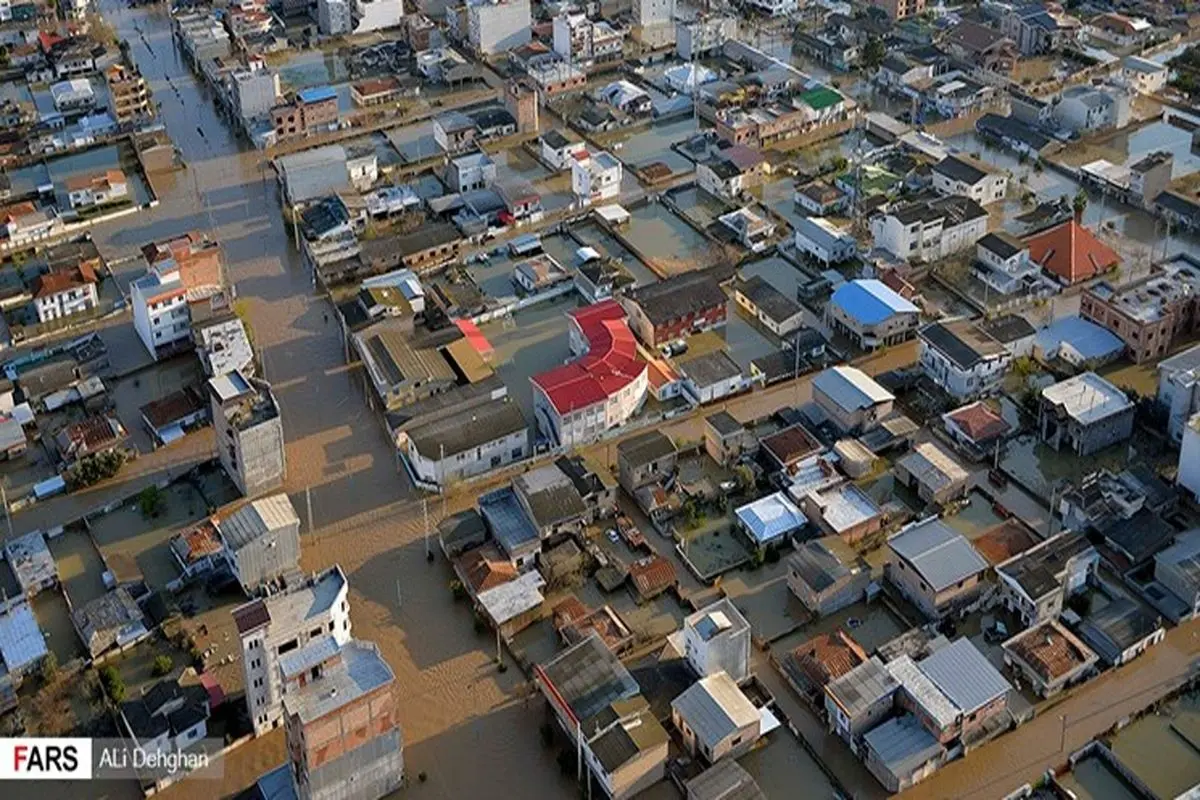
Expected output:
(613, 536)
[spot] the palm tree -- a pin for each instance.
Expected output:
(1079, 204)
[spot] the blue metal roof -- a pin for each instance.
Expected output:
(1087, 338)
(870, 301)
(316, 94)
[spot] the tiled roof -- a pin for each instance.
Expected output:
(1071, 252)
(979, 421)
(651, 575)
(611, 363)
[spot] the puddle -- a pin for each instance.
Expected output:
(516, 164)
(54, 618)
(313, 68)
(699, 206)
(1093, 779)
(532, 342)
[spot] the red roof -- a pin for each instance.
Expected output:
(475, 336)
(1071, 252)
(47, 39)
(216, 695)
(979, 422)
(611, 363)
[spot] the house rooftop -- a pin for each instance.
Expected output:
(770, 517)
(870, 301)
(965, 676)
(1002, 243)
(963, 342)
(725, 780)
(1004, 541)
(588, 678)
(715, 619)
(464, 430)
(851, 388)
(1117, 627)
(862, 687)
(362, 671)
(821, 563)
(979, 421)
(923, 691)
(844, 506)
(296, 604)
(1087, 398)
(963, 168)
(715, 708)
(932, 466)
(1050, 650)
(1071, 252)
(257, 519)
(939, 554)
(645, 448)
(22, 642)
(678, 296)
(791, 444)
(1037, 570)
(902, 745)
(507, 521)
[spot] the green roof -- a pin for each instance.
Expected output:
(821, 97)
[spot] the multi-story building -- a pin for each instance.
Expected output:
(1035, 584)
(261, 542)
(349, 17)
(930, 230)
(89, 191)
(1150, 176)
(935, 567)
(1151, 314)
(1084, 414)
(63, 292)
(497, 27)
(471, 171)
(602, 389)
(968, 177)
(255, 91)
(333, 17)
(900, 9)
(595, 176)
(450, 446)
(851, 399)
(703, 36)
(313, 109)
(779, 8)
(130, 96)
(1087, 108)
(1039, 28)
(962, 358)
(824, 241)
(249, 433)
(1002, 262)
(184, 284)
(872, 314)
(1179, 390)
(282, 623)
(1143, 75)
(717, 639)
(577, 38)
(678, 306)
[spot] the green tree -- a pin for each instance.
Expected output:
(874, 53)
(151, 501)
(48, 670)
(162, 666)
(1079, 204)
(112, 682)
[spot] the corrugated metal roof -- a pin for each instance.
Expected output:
(939, 554)
(902, 745)
(257, 519)
(851, 388)
(714, 708)
(964, 675)
(771, 517)
(923, 691)
(21, 640)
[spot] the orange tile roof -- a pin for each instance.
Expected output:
(828, 657)
(63, 280)
(651, 575)
(482, 573)
(979, 421)
(1071, 252)
(1051, 650)
(1002, 542)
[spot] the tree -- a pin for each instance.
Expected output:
(48, 670)
(112, 682)
(151, 501)
(874, 53)
(162, 666)
(1079, 204)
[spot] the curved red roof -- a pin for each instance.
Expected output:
(611, 363)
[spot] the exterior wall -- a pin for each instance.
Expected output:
(858, 419)
(899, 783)
(728, 652)
(499, 28)
(633, 477)
(253, 458)
(656, 335)
(1145, 339)
(981, 379)
(1189, 461)
(990, 189)
(353, 753)
(851, 729)
(844, 593)
(1129, 654)
(476, 461)
(64, 304)
(1085, 439)
(893, 330)
(162, 323)
(933, 604)
(262, 561)
(731, 746)
(639, 774)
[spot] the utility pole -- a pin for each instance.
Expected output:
(308, 502)
(7, 512)
(425, 511)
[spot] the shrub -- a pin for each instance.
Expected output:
(113, 685)
(162, 666)
(458, 590)
(48, 670)
(151, 501)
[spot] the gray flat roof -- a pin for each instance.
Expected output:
(862, 687)
(902, 744)
(589, 678)
(361, 672)
(964, 675)
(939, 554)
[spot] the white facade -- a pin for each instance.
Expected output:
(1143, 75)
(333, 17)
(824, 241)
(774, 8)
(497, 27)
(990, 188)
(586, 424)
(377, 15)
(1084, 108)
(160, 311)
(929, 239)
(101, 192)
(1179, 390)
(595, 178)
(648, 13)
(75, 300)
(438, 467)
(717, 639)
(702, 37)
(295, 618)
(1189, 458)
(255, 92)
(563, 157)
(962, 383)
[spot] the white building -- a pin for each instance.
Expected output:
(774, 8)
(967, 177)
(751, 231)
(1143, 75)
(333, 17)
(73, 95)
(717, 639)
(579, 39)
(930, 231)
(497, 26)
(1002, 262)
(824, 241)
(87, 191)
(595, 177)
(1085, 108)
(558, 151)
(1179, 389)
(61, 293)
(962, 358)
(160, 311)
(470, 172)
(278, 624)
(703, 36)
(347, 17)
(1189, 458)
(447, 448)
(255, 91)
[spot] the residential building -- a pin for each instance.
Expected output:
(1087, 109)
(843, 510)
(1002, 262)
(1035, 584)
(1125, 509)
(748, 229)
(254, 91)
(1039, 28)
(601, 389)
(334, 17)
(981, 46)
(859, 700)
(341, 720)
(645, 459)
(281, 623)
(770, 521)
(820, 199)
(1143, 75)
(91, 191)
(1118, 29)
(249, 433)
(469, 172)
(1012, 331)
(599, 707)
(98, 433)
(930, 230)
(184, 284)
(850, 399)
(900, 753)
(723, 781)
(74, 95)
(900, 9)
(653, 21)
(676, 307)
(1077, 342)
(261, 541)
(934, 474)
(823, 241)
(1177, 568)
(725, 439)
(708, 376)
(497, 27)
(703, 36)
(453, 131)
(112, 620)
(578, 39)
(595, 177)
(777, 8)
(789, 450)
(1189, 457)
(968, 177)
(827, 575)
(715, 719)
(1149, 314)
(445, 448)
(776, 311)
(311, 110)
(716, 641)
(403, 367)
(871, 314)
(1050, 657)
(935, 567)
(816, 663)
(64, 292)
(1121, 631)
(1084, 414)
(732, 172)
(962, 358)
(558, 151)
(976, 427)
(954, 691)
(129, 95)
(1150, 176)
